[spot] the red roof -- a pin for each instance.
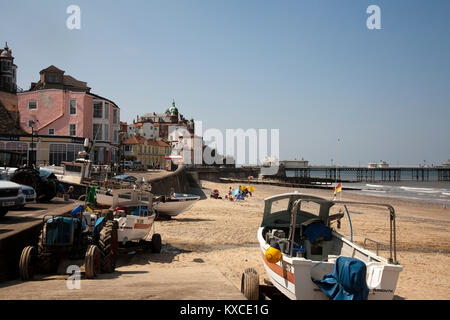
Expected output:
(134, 140)
(158, 143)
(142, 140)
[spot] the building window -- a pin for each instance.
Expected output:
(73, 106)
(72, 129)
(97, 131)
(17, 146)
(32, 105)
(51, 131)
(53, 78)
(30, 123)
(115, 117)
(57, 153)
(106, 132)
(106, 110)
(115, 136)
(72, 151)
(98, 110)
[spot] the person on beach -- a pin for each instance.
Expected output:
(230, 194)
(70, 193)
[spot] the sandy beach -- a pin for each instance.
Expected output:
(221, 233)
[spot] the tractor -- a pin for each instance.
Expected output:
(40, 179)
(69, 237)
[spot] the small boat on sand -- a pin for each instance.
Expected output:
(176, 203)
(306, 259)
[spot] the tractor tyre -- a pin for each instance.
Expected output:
(50, 188)
(27, 263)
(108, 245)
(29, 177)
(250, 284)
(92, 262)
(156, 243)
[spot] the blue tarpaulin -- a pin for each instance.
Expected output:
(347, 282)
(317, 231)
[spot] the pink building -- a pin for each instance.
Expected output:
(59, 105)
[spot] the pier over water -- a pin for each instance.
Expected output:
(365, 174)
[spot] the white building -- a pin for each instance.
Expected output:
(143, 129)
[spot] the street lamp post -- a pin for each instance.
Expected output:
(122, 149)
(32, 143)
(31, 158)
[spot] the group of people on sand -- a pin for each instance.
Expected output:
(243, 192)
(234, 194)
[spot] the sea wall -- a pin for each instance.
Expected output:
(214, 174)
(178, 180)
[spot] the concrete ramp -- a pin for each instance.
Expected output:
(130, 283)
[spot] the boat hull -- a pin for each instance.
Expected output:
(176, 205)
(292, 276)
(134, 228)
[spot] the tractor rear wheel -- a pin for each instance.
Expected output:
(50, 189)
(156, 243)
(108, 245)
(27, 263)
(250, 284)
(29, 177)
(92, 262)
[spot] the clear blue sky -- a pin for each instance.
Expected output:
(309, 68)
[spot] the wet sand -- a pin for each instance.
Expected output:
(221, 233)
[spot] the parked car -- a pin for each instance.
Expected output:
(11, 196)
(128, 165)
(29, 194)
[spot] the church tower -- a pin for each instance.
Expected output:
(8, 71)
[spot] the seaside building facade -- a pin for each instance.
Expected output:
(144, 129)
(151, 153)
(60, 105)
(167, 123)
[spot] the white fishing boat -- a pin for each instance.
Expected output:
(176, 203)
(305, 257)
(135, 217)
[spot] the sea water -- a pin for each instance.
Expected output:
(433, 191)
(408, 188)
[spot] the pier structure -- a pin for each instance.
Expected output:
(365, 174)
